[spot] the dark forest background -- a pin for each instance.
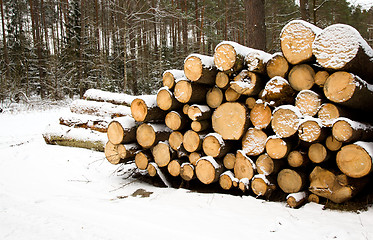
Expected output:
(59, 48)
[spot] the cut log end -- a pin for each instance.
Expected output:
(192, 141)
(174, 167)
(162, 154)
(187, 172)
(139, 110)
(277, 66)
(222, 80)
(225, 57)
(254, 141)
(302, 77)
(317, 153)
(340, 87)
(290, 181)
(193, 68)
(208, 170)
(261, 115)
(176, 140)
(332, 144)
(244, 166)
(285, 122)
(277, 148)
(142, 160)
(354, 161)
(229, 161)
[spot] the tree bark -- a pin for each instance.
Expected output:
(255, 24)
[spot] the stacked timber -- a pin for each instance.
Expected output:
(293, 123)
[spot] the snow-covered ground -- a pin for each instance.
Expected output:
(54, 192)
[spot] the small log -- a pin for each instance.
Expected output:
(192, 141)
(214, 97)
(222, 80)
(101, 109)
(188, 92)
(199, 112)
(122, 130)
(230, 120)
(193, 157)
(231, 95)
(166, 100)
(154, 170)
(250, 102)
(120, 153)
(267, 166)
(262, 186)
(297, 159)
(311, 130)
(229, 161)
(200, 69)
(329, 112)
(149, 134)
(174, 167)
(199, 126)
(176, 121)
(185, 109)
(277, 148)
(163, 154)
(247, 83)
(296, 200)
(355, 160)
(347, 130)
(176, 140)
(337, 188)
(208, 170)
(229, 56)
(95, 123)
(227, 180)
(333, 144)
(318, 153)
(277, 65)
(277, 92)
(349, 90)
(320, 78)
(341, 47)
(296, 41)
(244, 184)
(169, 77)
(143, 158)
(302, 77)
(291, 181)
(214, 145)
(253, 142)
(285, 120)
(244, 166)
(261, 115)
(256, 61)
(146, 109)
(75, 137)
(313, 198)
(187, 171)
(308, 102)
(110, 97)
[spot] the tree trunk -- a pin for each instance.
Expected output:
(99, 124)
(297, 159)
(261, 116)
(163, 154)
(199, 126)
(267, 166)
(304, 10)
(296, 200)
(255, 23)
(318, 153)
(176, 140)
(222, 80)
(278, 91)
(229, 161)
(277, 148)
(311, 131)
(262, 186)
(110, 97)
(187, 172)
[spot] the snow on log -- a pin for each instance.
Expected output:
(278, 91)
(122, 130)
(198, 112)
(296, 200)
(341, 47)
(95, 123)
(145, 109)
(256, 61)
(102, 109)
(170, 77)
(308, 102)
(267, 166)
(215, 146)
(285, 120)
(188, 92)
(296, 41)
(110, 97)
(347, 130)
(187, 171)
(200, 69)
(277, 65)
(311, 130)
(230, 56)
(208, 170)
(166, 100)
(247, 83)
(227, 180)
(253, 142)
(262, 185)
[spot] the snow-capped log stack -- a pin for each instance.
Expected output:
(264, 123)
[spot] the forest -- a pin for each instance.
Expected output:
(58, 48)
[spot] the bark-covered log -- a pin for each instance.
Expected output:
(244, 184)
(277, 65)
(247, 83)
(185, 108)
(163, 153)
(355, 160)
(227, 180)
(347, 130)
(341, 47)
(318, 153)
(95, 123)
(145, 109)
(176, 120)
(296, 200)
(192, 141)
(244, 166)
(214, 97)
(302, 77)
(229, 161)
(198, 112)
(149, 134)
(102, 109)
(253, 142)
(256, 61)
(229, 56)
(199, 126)
(75, 137)
(349, 90)
(187, 171)
(190, 92)
(166, 100)
(297, 158)
(262, 186)
(170, 77)
(122, 130)
(208, 170)
(313, 198)
(261, 115)
(110, 97)
(200, 69)
(277, 147)
(174, 167)
(328, 112)
(120, 153)
(308, 102)
(230, 120)
(278, 91)
(285, 120)
(296, 41)
(214, 145)
(154, 170)
(267, 166)
(143, 158)
(291, 181)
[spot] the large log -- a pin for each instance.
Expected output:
(244, 166)
(229, 56)
(254, 142)
(163, 153)
(291, 181)
(170, 77)
(308, 102)
(149, 134)
(145, 109)
(278, 91)
(261, 115)
(296, 41)
(102, 109)
(120, 153)
(302, 77)
(208, 170)
(341, 47)
(328, 112)
(247, 83)
(349, 90)
(200, 69)
(337, 188)
(122, 130)
(285, 120)
(277, 65)
(227, 180)
(110, 97)
(188, 92)
(166, 100)
(347, 130)
(355, 160)
(57, 134)
(214, 145)
(95, 123)
(230, 120)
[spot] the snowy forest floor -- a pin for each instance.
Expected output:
(54, 192)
